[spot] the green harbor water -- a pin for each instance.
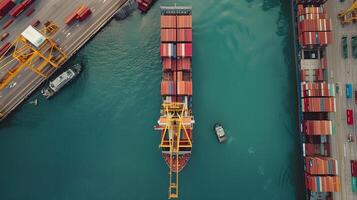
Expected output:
(95, 139)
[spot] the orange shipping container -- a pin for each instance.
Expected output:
(168, 21)
(184, 35)
(184, 21)
(168, 35)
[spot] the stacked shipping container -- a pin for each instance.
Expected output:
(321, 149)
(314, 27)
(320, 166)
(322, 183)
(176, 53)
(317, 127)
(317, 90)
(6, 6)
(317, 99)
(318, 104)
(21, 7)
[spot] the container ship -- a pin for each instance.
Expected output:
(176, 121)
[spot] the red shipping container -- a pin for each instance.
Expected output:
(30, 12)
(6, 6)
(7, 24)
(168, 63)
(20, 8)
(71, 18)
(4, 48)
(184, 64)
(184, 50)
(84, 14)
(354, 168)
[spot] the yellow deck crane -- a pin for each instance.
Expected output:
(175, 122)
(43, 59)
(349, 15)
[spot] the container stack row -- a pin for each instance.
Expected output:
(319, 149)
(314, 26)
(317, 127)
(313, 75)
(20, 8)
(176, 54)
(14, 8)
(315, 104)
(322, 183)
(6, 6)
(320, 166)
(317, 89)
(317, 99)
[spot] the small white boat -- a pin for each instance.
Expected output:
(221, 135)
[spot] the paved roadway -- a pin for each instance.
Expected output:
(69, 38)
(342, 71)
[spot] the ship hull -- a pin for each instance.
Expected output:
(182, 161)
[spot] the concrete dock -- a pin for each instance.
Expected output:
(70, 39)
(342, 71)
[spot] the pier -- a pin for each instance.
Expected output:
(69, 38)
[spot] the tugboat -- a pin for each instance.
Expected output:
(62, 80)
(221, 135)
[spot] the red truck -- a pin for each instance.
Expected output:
(6, 6)
(349, 113)
(80, 14)
(21, 8)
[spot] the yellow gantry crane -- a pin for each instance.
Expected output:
(349, 15)
(176, 120)
(41, 59)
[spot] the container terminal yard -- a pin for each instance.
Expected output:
(24, 69)
(326, 49)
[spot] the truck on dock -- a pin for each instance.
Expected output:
(7, 24)
(6, 6)
(21, 7)
(4, 48)
(354, 46)
(348, 90)
(79, 14)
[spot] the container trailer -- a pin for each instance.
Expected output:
(6, 6)
(21, 8)
(349, 113)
